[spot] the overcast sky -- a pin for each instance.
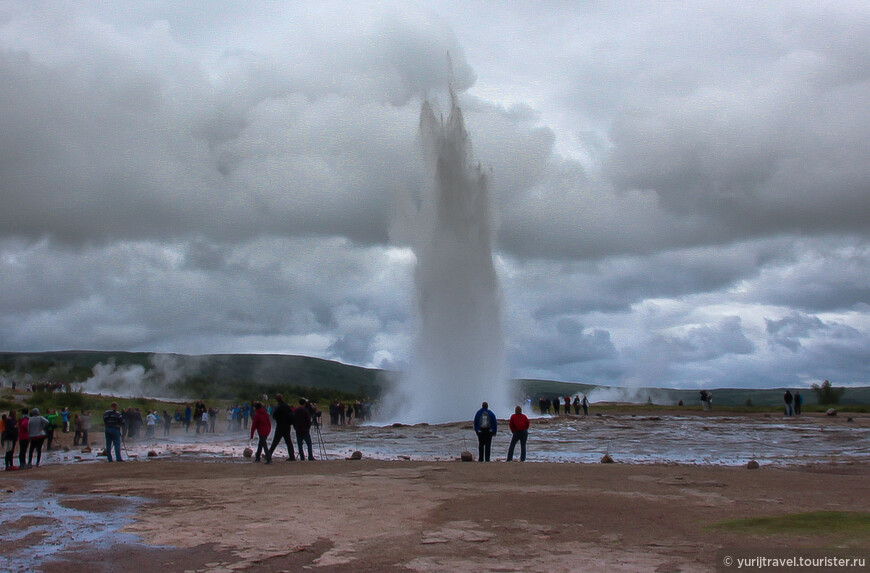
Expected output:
(682, 189)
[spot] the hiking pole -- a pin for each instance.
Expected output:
(320, 443)
(124, 443)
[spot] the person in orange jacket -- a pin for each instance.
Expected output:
(262, 425)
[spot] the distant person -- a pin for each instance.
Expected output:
(798, 402)
(113, 421)
(23, 438)
(85, 419)
(584, 403)
(302, 424)
(556, 404)
(704, 403)
(519, 426)
(64, 416)
(52, 417)
(262, 426)
(77, 429)
(485, 426)
(788, 399)
(283, 416)
(150, 424)
(167, 423)
(187, 416)
(567, 405)
(10, 439)
(212, 419)
(37, 430)
(576, 405)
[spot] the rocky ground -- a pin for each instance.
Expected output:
(431, 516)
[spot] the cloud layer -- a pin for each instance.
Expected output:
(681, 191)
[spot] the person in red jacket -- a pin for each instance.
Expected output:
(262, 425)
(519, 425)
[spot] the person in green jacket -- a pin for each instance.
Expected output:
(52, 418)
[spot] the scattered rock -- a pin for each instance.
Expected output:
(66, 448)
(356, 455)
(248, 452)
(752, 465)
(152, 454)
(831, 412)
(466, 457)
(103, 453)
(606, 459)
(406, 458)
(398, 425)
(87, 450)
(850, 419)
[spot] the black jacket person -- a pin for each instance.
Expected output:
(283, 416)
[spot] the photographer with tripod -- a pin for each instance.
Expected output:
(302, 423)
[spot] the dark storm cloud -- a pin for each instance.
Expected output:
(681, 189)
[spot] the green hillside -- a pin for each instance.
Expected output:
(230, 376)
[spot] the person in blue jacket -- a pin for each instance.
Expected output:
(485, 426)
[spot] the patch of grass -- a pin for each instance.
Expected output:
(844, 524)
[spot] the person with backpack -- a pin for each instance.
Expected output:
(485, 426)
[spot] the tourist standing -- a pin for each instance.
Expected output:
(51, 417)
(85, 419)
(788, 399)
(113, 421)
(23, 439)
(302, 424)
(283, 416)
(262, 426)
(77, 429)
(798, 402)
(519, 426)
(37, 429)
(10, 437)
(485, 426)
(585, 404)
(64, 416)
(150, 424)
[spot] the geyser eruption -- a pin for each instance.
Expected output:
(459, 355)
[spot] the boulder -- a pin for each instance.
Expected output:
(831, 412)
(752, 465)
(356, 455)
(466, 456)
(87, 450)
(606, 459)
(248, 452)
(152, 454)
